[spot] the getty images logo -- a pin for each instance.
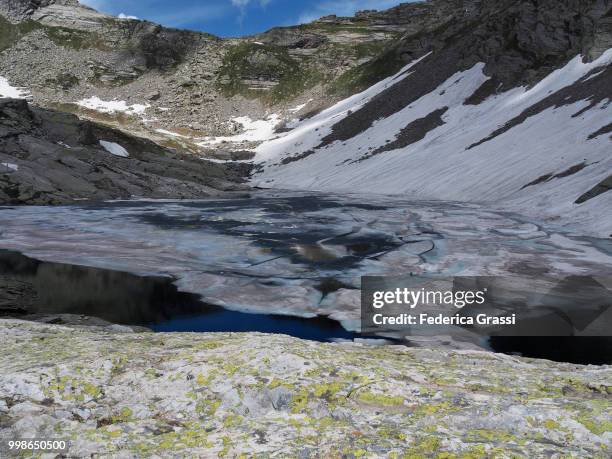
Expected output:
(412, 298)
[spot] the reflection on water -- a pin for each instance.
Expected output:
(123, 298)
(573, 349)
(110, 295)
(35, 287)
(221, 320)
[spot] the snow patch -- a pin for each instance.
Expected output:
(112, 106)
(226, 161)
(12, 92)
(300, 107)
(114, 149)
(11, 166)
(254, 131)
(171, 134)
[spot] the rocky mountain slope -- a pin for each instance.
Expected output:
(49, 157)
(510, 106)
(225, 395)
(192, 83)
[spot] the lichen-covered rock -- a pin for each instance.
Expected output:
(227, 395)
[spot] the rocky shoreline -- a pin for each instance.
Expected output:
(129, 395)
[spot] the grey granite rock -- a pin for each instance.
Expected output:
(57, 158)
(228, 395)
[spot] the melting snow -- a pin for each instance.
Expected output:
(254, 131)
(6, 90)
(113, 106)
(114, 149)
(171, 134)
(11, 166)
(309, 133)
(300, 107)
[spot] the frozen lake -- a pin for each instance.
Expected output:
(298, 254)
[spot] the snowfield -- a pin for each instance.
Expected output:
(538, 166)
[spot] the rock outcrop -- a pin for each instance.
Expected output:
(48, 157)
(202, 80)
(21, 9)
(223, 395)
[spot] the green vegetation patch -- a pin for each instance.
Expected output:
(265, 63)
(12, 33)
(358, 51)
(75, 39)
(380, 399)
(64, 80)
(363, 76)
(62, 36)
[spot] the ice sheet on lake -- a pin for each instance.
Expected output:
(275, 253)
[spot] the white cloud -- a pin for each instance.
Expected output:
(125, 16)
(243, 4)
(344, 8)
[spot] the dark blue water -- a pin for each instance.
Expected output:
(315, 329)
(45, 288)
(29, 287)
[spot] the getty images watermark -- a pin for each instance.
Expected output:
(490, 306)
(413, 298)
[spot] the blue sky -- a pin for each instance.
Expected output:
(234, 17)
